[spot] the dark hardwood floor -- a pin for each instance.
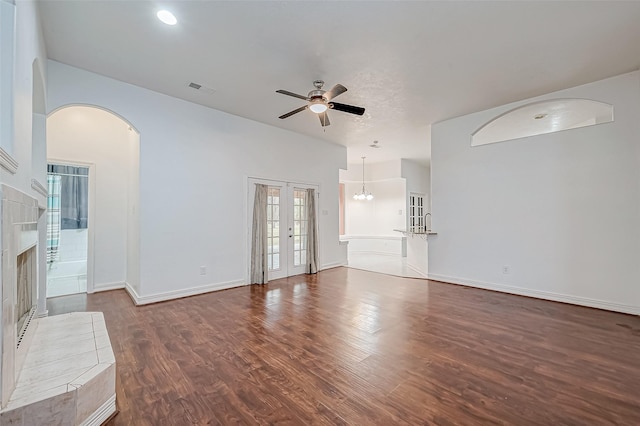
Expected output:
(355, 347)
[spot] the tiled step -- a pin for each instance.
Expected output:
(68, 376)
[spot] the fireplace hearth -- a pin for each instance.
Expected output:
(77, 385)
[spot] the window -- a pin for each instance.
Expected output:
(417, 221)
(73, 194)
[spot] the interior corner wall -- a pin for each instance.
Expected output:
(560, 211)
(133, 209)
(418, 180)
(85, 135)
(194, 165)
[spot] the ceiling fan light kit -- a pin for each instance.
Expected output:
(319, 102)
(318, 107)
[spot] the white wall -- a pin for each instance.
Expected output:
(418, 179)
(85, 135)
(194, 164)
(560, 210)
(379, 216)
(372, 171)
(7, 36)
(38, 126)
(16, 132)
(29, 46)
(133, 209)
(369, 225)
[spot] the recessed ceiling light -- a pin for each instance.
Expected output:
(167, 17)
(539, 116)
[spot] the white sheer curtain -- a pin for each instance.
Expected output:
(259, 267)
(312, 233)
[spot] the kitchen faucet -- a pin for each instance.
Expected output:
(427, 229)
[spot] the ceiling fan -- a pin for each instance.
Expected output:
(319, 102)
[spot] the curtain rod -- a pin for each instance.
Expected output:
(66, 174)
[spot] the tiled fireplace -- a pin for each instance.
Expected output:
(19, 282)
(54, 370)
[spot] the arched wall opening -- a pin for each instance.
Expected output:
(87, 136)
(543, 117)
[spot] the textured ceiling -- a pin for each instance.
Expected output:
(410, 64)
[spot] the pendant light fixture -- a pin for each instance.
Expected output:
(363, 195)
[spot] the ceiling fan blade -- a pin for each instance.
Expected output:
(295, 95)
(295, 111)
(346, 108)
(324, 119)
(336, 90)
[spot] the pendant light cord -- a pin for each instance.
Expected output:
(363, 191)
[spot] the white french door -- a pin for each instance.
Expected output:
(287, 227)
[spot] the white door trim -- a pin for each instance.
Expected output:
(91, 240)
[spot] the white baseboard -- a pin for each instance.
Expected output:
(133, 294)
(416, 270)
(108, 286)
(332, 265)
(540, 294)
(105, 411)
(383, 253)
(177, 294)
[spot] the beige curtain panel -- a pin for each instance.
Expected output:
(312, 233)
(259, 266)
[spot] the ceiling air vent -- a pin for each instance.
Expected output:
(201, 88)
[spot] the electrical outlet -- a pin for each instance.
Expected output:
(506, 269)
(400, 212)
(203, 270)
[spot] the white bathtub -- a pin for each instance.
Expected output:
(67, 269)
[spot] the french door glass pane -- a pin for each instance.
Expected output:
(299, 227)
(273, 230)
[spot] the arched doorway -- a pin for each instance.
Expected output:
(92, 235)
